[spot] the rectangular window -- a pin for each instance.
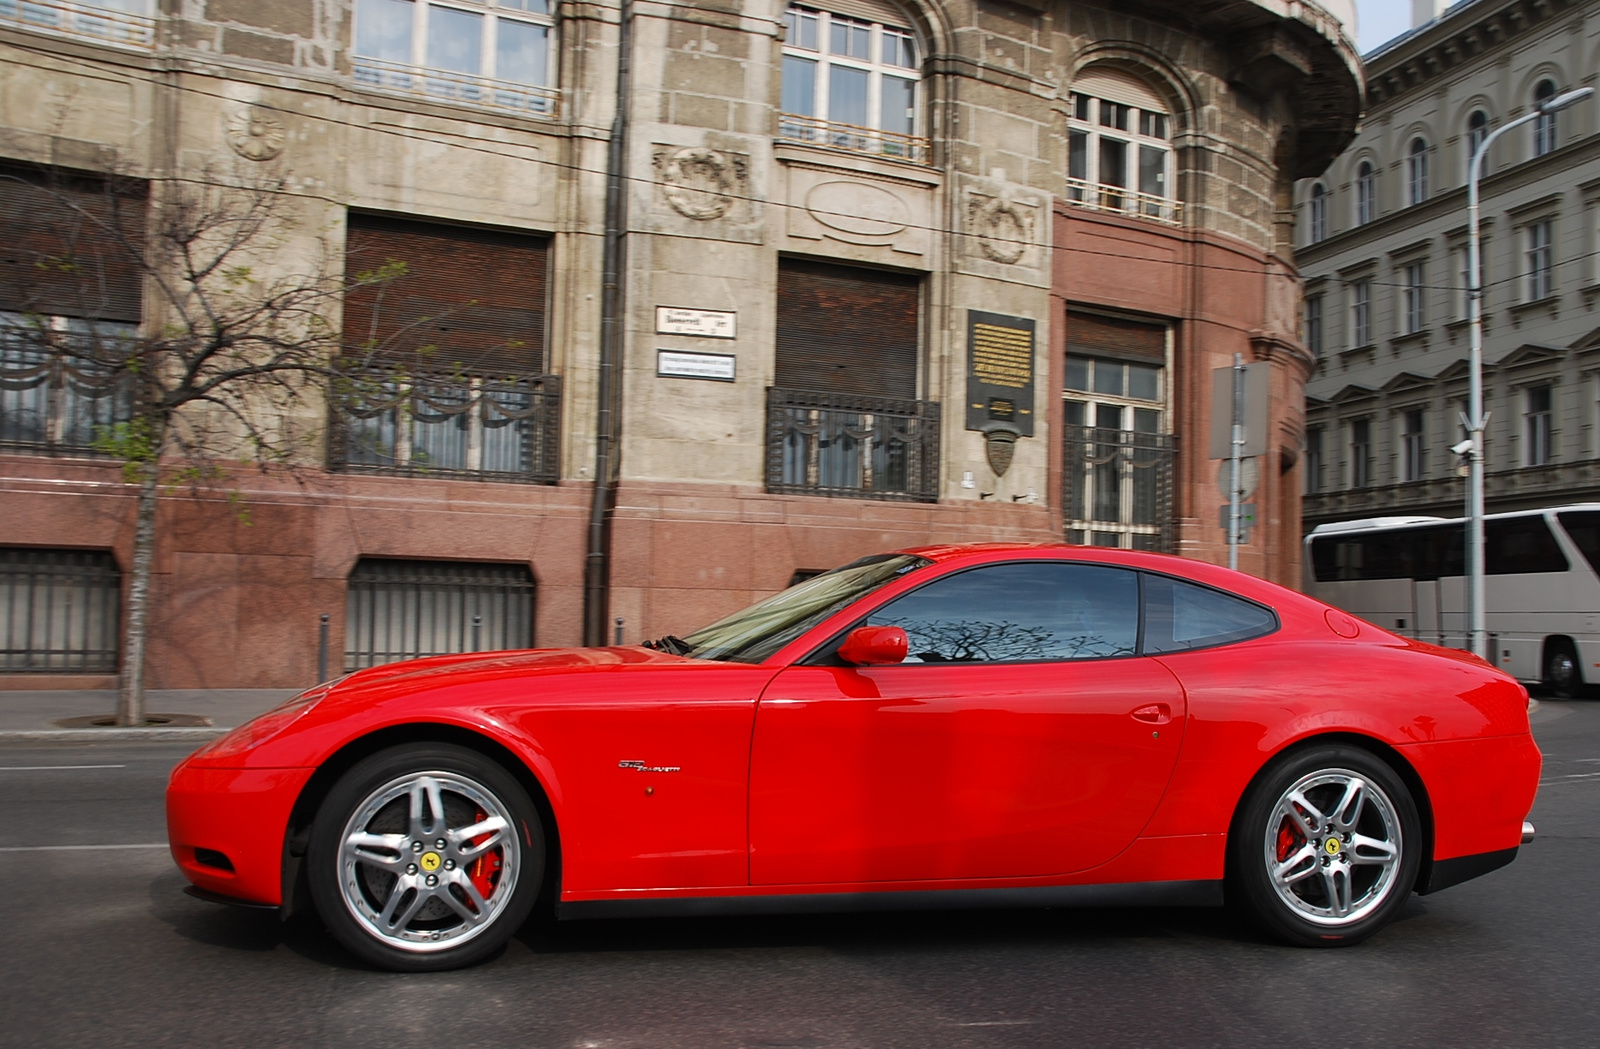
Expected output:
(850, 83)
(1313, 461)
(59, 611)
(496, 54)
(1119, 158)
(1412, 462)
(1361, 453)
(1541, 283)
(1414, 298)
(1313, 324)
(447, 362)
(1538, 426)
(1463, 289)
(843, 416)
(1361, 314)
(398, 610)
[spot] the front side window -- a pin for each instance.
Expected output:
(850, 83)
(494, 53)
(1541, 283)
(1119, 153)
(1538, 426)
(1020, 612)
(1544, 127)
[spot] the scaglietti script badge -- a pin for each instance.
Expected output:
(639, 766)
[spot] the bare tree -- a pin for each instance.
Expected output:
(234, 336)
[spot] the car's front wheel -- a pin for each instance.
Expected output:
(1326, 847)
(425, 857)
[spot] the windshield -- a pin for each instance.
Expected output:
(763, 628)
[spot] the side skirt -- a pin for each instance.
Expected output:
(1131, 894)
(1464, 868)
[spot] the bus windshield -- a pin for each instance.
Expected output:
(1584, 528)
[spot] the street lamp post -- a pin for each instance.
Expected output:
(1476, 420)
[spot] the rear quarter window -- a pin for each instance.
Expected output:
(1182, 616)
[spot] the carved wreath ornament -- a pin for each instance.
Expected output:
(698, 182)
(1003, 229)
(256, 133)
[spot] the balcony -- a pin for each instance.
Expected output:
(474, 428)
(854, 446)
(85, 21)
(1118, 487)
(835, 135)
(445, 86)
(1123, 201)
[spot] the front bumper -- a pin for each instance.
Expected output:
(226, 828)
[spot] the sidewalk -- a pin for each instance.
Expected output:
(30, 716)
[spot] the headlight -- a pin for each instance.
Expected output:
(263, 727)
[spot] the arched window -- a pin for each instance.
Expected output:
(1417, 171)
(1544, 128)
(850, 80)
(1318, 213)
(1119, 153)
(1366, 193)
(1477, 131)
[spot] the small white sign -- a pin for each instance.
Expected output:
(679, 365)
(707, 324)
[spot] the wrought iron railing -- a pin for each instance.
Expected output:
(476, 427)
(89, 21)
(1118, 487)
(59, 611)
(422, 82)
(836, 135)
(1099, 197)
(844, 444)
(398, 610)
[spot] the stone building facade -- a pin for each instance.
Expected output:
(895, 274)
(1383, 242)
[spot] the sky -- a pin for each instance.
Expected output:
(1381, 21)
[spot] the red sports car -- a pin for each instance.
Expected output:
(947, 727)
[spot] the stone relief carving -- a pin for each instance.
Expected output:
(700, 183)
(1004, 227)
(858, 212)
(256, 133)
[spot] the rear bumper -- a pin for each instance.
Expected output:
(1450, 872)
(1480, 792)
(219, 819)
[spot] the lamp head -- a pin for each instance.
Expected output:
(1568, 99)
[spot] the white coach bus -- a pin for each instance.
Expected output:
(1542, 602)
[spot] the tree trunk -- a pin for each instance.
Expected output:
(130, 697)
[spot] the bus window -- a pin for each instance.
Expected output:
(1584, 528)
(1521, 546)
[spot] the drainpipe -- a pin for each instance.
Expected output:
(608, 421)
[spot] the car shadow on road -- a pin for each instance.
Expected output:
(244, 929)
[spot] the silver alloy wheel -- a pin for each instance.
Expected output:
(416, 856)
(1333, 847)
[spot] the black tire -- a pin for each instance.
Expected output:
(1563, 674)
(399, 900)
(1330, 893)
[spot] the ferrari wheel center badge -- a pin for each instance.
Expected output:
(430, 861)
(1332, 845)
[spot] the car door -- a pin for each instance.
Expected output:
(1023, 737)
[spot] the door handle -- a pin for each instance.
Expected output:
(1154, 714)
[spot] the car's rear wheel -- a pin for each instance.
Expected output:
(1326, 847)
(425, 857)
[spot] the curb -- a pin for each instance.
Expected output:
(112, 735)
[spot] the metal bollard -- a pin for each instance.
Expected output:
(322, 649)
(477, 633)
(619, 630)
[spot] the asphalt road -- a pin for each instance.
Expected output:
(99, 947)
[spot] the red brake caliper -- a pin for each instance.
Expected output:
(485, 870)
(1289, 839)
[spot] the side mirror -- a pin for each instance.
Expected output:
(875, 646)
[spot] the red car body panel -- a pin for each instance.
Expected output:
(671, 777)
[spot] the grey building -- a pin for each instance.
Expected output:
(1383, 251)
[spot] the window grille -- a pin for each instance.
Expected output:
(59, 611)
(55, 397)
(399, 609)
(852, 445)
